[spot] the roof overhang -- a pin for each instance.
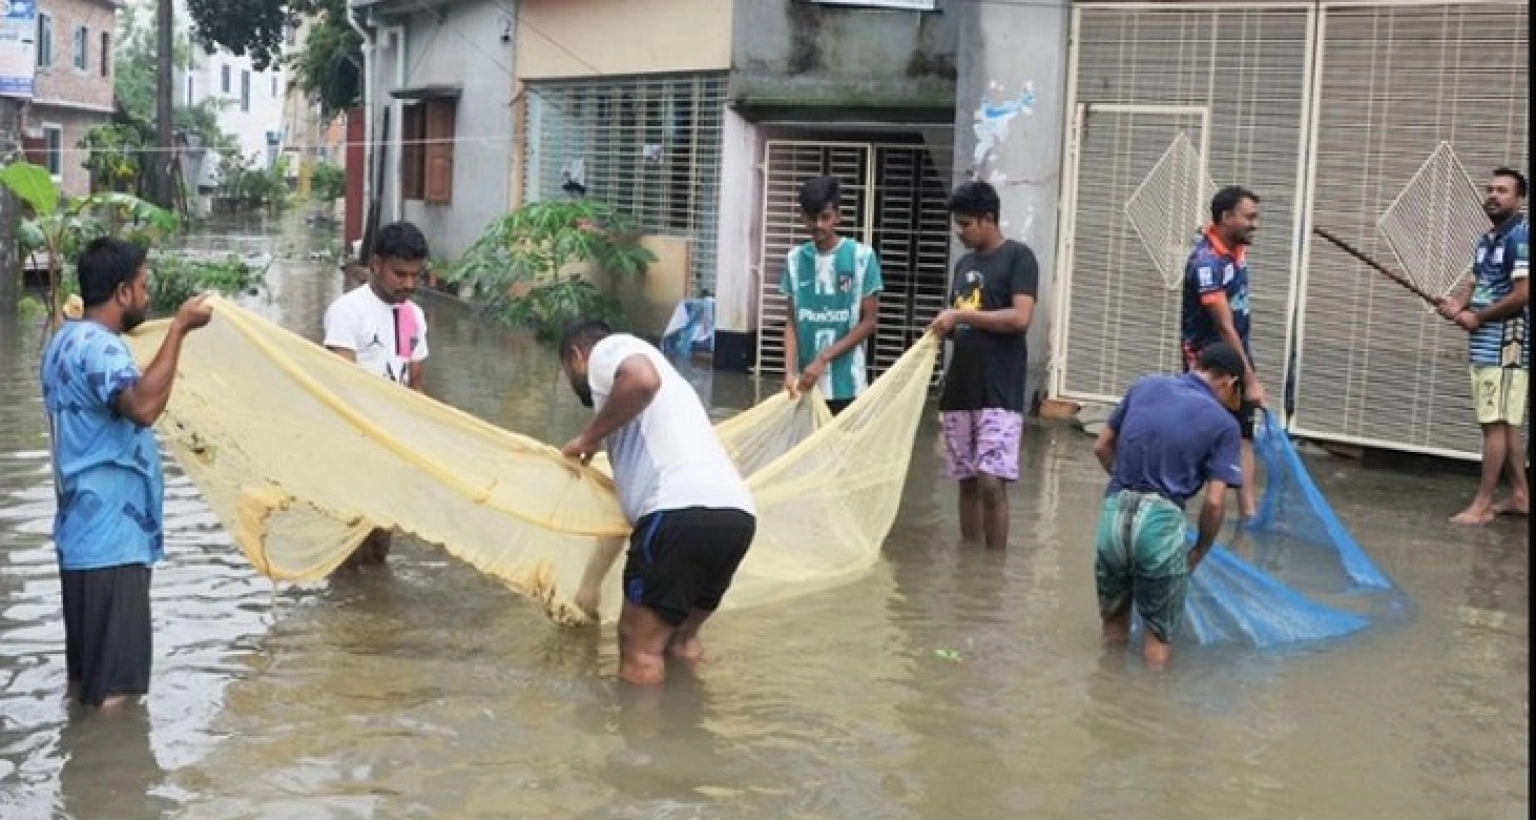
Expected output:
(428, 92)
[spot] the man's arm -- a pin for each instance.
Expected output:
(1012, 319)
(1457, 300)
(336, 337)
(144, 401)
(1213, 511)
(791, 349)
(1221, 314)
(634, 387)
(345, 352)
(868, 307)
(861, 331)
(1223, 469)
(791, 329)
(1511, 304)
(417, 366)
(1104, 448)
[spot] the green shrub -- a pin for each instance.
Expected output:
(175, 279)
(521, 267)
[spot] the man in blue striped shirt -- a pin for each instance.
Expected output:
(1493, 309)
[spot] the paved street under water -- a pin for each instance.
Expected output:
(948, 683)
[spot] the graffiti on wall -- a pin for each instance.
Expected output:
(992, 120)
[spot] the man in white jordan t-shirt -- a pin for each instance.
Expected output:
(691, 513)
(378, 326)
(383, 331)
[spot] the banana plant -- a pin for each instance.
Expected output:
(61, 229)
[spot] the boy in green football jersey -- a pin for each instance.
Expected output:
(832, 284)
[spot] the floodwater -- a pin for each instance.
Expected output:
(949, 683)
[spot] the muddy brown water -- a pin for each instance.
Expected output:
(948, 683)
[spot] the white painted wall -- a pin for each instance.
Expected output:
(248, 124)
(741, 185)
(204, 81)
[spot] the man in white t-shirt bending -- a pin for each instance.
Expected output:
(383, 331)
(691, 513)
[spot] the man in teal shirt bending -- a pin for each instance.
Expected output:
(832, 284)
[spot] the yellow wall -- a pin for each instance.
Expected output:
(621, 37)
(648, 302)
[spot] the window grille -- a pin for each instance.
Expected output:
(649, 145)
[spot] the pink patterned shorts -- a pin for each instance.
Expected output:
(982, 441)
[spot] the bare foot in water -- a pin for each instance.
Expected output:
(1474, 516)
(688, 650)
(1514, 505)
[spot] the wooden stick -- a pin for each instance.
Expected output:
(1390, 274)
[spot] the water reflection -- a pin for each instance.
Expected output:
(949, 682)
(109, 768)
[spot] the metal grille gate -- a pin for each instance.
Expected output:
(1336, 113)
(893, 200)
(1227, 82)
(1375, 366)
(649, 145)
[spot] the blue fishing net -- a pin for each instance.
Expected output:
(1300, 551)
(1294, 507)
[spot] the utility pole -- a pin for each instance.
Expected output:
(164, 164)
(10, 211)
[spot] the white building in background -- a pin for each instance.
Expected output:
(249, 102)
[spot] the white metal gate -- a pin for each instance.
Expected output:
(1169, 101)
(894, 200)
(1120, 311)
(1417, 103)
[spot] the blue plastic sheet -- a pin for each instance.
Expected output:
(691, 328)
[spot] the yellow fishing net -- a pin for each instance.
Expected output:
(301, 454)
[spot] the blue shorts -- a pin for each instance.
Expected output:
(1142, 557)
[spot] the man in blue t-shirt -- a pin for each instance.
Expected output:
(833, 285)
(1494, 308)
(1216, 308)
(106, 470)
(1170, 438)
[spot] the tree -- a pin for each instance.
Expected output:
(255, 28)
(329, 67)
(327, 183)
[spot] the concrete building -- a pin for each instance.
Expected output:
(309, 137)
(249, 102)
(438, 91)
(73, 86)
(1106, 125)
(704, 128)
(1326, 111)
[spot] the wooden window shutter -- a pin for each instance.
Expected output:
(412, 158)
(35, 149)
(439, 165)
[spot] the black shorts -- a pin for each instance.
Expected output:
(838, 405)
(107, 633)
(682, 560)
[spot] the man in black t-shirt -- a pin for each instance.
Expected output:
(982, 406)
